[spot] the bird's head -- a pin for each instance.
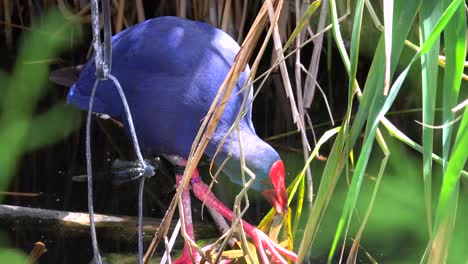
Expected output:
(263, 161)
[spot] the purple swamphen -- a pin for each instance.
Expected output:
(170, 70)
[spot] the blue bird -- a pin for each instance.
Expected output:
(170, 69)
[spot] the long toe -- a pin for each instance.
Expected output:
(264, 244)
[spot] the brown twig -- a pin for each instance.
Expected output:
(8, 28)
(226, 16)
(140, 11)
(38, 250)
(21, 194)
(120, 16)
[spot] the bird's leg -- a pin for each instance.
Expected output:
(189, 254)
(261, 240)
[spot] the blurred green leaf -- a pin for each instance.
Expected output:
(372, 100)
(12, 256)
(19, 130)
(374, 105)
(49, 127)
(429, 15)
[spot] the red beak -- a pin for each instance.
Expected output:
(277, 196)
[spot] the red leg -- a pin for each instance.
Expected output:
(261, 240)
(187, 253)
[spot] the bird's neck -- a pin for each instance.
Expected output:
(257, 154)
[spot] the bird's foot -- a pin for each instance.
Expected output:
(262, 242)
(187, 259)
(265, 245)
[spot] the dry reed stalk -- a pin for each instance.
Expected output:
(298, 72)
(120, 16)
(219, 12)
(226, 17)
(195, 7)
(284, 74)
(182, 8)
(283, 21)
(8, 27)
(237, 11)
(240, 37)
(205, 11)
(242, 194)
(140, 11)
(210, 124)
(162, 4)
(20, 194)
(212, 16)
(311, 79)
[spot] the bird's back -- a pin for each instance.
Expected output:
(170, 69)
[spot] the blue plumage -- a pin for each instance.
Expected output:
(170, 70)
